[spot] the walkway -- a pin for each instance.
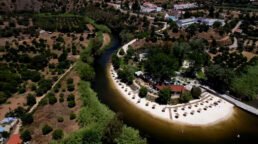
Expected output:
(234, 45)
(125, 47)
(236, 27)
(159, 32)
(233, 101)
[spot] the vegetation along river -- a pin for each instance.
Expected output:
(241, 128)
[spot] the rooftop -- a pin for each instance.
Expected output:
(173, 88)
(14, 139)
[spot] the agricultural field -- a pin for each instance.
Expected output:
(57, 111)
(62, 23)
(30, 64)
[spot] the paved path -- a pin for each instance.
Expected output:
(234, 45)
(234, 101)
(125, 47)
(236, 27)
(165, 26)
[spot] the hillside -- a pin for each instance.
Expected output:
(41, 5)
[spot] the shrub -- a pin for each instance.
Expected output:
(164, 96)
(31, 100)
(27, 119)
(143, 92)
(60, 119)
(43, 102)
(196, 92)
(70, 81)
(5, 134)
(70, 97)
(71, 104)
(26, 136)
(46, 129)
(57, 134)
(121, 52)
(70, 87)
(61, 99)
(52, 100)
(185, 97)
(72, 116)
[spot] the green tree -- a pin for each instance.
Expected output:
(185, 97)
(70, 97)
(57, 134)
(5, 134)
(27, 119)
(51, 98)
(72, 116)
(46, 129)
(143, 92)
(245, 85)
(219, 77)
(130, 136)
(191, 29)
(217, 24)
(116, 61)
(85, 71)
(164, 96)
(112, 131)
(26, 136)
(136, 6)
(71, 104)
(196, 92)
(31, 100)
(161, 66)
(126, 74)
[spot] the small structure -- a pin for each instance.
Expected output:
(176, 89)
(8, 120)
(186, 22)
(2, 129)
(210, 21)
(184, 6)
(138, 73)
(14, 139)
(183, 23)
(187, 64)
(170, 17)
(42, 31)
(143, 56)
(149, 7)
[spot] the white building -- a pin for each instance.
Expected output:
(185, 6)
(149, 7)
(186, 22)
(208, 21)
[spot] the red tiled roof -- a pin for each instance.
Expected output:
(173, 88)
(14, 139)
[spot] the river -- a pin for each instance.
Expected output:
(240, 128)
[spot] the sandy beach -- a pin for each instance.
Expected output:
(207, 110)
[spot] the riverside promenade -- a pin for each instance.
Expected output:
(236, 102)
